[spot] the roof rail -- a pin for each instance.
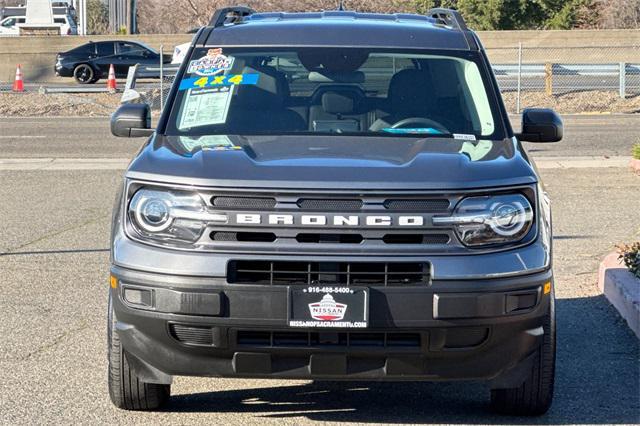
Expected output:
(449, 17)
(230, 15)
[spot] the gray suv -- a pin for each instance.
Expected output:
(333, 196)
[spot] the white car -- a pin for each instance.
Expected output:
(8, 26)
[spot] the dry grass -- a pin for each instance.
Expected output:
(35, 104)
(579, 102)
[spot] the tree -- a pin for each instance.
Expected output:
(97, 17)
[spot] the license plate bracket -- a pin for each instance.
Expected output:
(319, 306)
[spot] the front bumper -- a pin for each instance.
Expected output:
(447, 330)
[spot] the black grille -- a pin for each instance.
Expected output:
(330, 205)
(416, 239)
(192, 335)
(249, 203)
(255, 237)
(421, 205)
(288, 339)
(329, 238)
(338, 273)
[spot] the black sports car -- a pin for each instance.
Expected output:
(90, 62)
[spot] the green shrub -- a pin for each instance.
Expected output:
(635, 151)
(630, 255)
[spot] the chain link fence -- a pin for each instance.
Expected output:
(568, 79)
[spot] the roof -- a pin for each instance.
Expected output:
(339, 28)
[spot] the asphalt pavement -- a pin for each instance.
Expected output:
(54, 265)
(89, 137)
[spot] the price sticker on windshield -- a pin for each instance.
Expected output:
(218, 81)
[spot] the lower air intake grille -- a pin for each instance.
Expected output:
(338, 273)
(192, 335)
(289, 339)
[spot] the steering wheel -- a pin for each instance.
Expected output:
(421, 121)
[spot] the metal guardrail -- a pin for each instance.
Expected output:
(75, 89)
(557, 77)
(567, 69)
(157, 71)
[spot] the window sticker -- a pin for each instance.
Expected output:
(205, 107)
(412, 131)
(464, 137)
(208, 142)
(213, 63)
(219, 80)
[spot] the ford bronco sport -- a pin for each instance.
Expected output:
(333, 196)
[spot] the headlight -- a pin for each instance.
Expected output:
(170, 217)
(489, 220)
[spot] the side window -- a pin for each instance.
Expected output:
(59, 21)
(9, 23)
(476, 91)
(87, 49)
(105, 49)
(130, 49)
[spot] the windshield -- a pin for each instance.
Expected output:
(324, 91)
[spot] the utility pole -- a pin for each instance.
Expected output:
(122, 14)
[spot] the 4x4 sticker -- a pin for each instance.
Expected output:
(219, 80)
(213, 63)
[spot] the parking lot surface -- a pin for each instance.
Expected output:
(54, 261)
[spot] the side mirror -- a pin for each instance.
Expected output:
(131, 121)
(540, 125)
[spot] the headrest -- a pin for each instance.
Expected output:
(338, 103)
(411, 91)
(353, 93)
(324, 76)
(270, 92)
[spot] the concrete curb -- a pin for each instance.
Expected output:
(635, 165)
(622, 290)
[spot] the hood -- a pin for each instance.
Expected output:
(333, 162)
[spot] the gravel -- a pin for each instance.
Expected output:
(36, 104)
(103, 104)
(577, 102)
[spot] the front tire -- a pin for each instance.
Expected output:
(126, 390)
(534, 396)
(84, 74)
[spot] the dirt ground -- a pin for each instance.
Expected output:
(103, 104)
(36, 104)
(571, 103)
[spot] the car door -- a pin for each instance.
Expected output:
(8, 25)
(130, 54)
(104, 56)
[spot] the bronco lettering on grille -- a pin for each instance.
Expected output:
(335, 220)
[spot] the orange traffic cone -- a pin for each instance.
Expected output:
(111, 81)
(18, 84)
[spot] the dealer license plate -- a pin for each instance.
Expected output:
(328, 307)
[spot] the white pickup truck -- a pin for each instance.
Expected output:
(8, 26)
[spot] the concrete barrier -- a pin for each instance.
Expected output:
(622, 290)
(37, 54)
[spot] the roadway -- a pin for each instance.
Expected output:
(54, 262)
(89, 137)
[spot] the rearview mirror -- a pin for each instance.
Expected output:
(540, 125)
(131, 121)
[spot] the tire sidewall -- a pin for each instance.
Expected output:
(90, 79)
